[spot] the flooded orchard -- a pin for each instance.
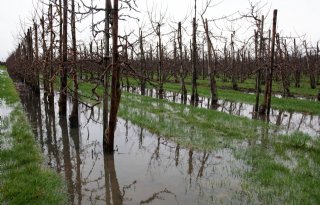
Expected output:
(289, 122)
(145, 168)
(160, 102)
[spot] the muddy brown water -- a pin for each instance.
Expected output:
(289, 121)
(145, 169)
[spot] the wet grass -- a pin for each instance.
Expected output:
(7, 93)
(249, 85)
(24, 179)
(284, 169)
(287, 104)
(192, 127)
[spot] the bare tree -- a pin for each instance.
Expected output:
(74, 118)
(182, 69)
(265, 107)
(106, 68)
(63, 73)
(211, 65)
(115, 83)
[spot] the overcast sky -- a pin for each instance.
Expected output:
(295, 17)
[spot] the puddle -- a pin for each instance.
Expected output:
(145, 169)
(5, 110)
(289, 121)
(310, 98)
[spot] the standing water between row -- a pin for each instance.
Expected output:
(145, 169)
(289, 121)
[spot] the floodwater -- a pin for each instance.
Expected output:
(145, 169)
(5, 111)
(289, 121)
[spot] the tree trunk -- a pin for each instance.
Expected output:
(182, 72)
(284, 58)
(310, 68)
(233, 70)
(194, 95)
(256, 106)
(160, 68)
(142, 66)
(115, 83)
(74, 117)
(63, 74)
(44, 59)
(259, 63)
(265, 108)
(296, 65)
(36, 47)
(106, 68)
(211, 70)
(51, 72)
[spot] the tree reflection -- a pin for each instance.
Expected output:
(66, 156)
(75, 136)
(113, 194)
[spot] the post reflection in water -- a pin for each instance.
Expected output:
(145, 169)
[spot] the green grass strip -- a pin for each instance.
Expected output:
(23, 178)
(8, 92)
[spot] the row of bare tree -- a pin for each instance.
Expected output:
(45, 53)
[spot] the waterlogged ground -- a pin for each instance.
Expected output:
(246, 162)
(145, 169)
(290, 122)
(5, 111)
(23, 179)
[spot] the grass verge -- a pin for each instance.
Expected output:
(24, 179)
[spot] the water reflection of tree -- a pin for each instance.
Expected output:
(49, 128)
(113, 193)
(189, 163)
(66, 156)
(75, 136)
(192, 165)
